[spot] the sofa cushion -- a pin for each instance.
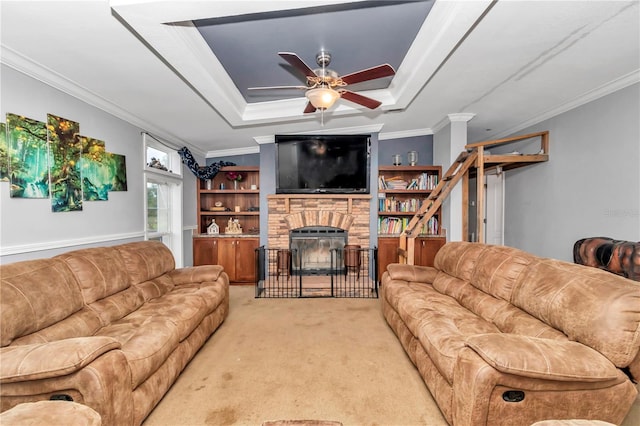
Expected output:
(184, 310)
(505, 316)
(593, 307)
(40, 361)
(542, 358)
(146, 343)
(83, 323)
(444, 333)
(35, 294)
(458, 259)
(146, 260)
(99, 271)
(498, 268)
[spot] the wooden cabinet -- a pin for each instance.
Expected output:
(205, 251)
(401, 192)
(425, 251)
(387, 253)
(235, 199)
(236, 255)
(223, 199)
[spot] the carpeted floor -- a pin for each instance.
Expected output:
(278, 359)
(285, 359)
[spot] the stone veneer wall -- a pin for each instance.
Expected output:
(351, 214)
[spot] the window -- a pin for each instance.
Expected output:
(163, 197)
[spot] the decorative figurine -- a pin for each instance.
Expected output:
(233, 227)
(213, 229)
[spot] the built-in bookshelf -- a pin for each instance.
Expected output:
(402, 190)
(232, 194)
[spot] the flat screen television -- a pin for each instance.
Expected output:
(333, 164)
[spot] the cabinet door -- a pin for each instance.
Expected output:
(205, 251)
(426, 249)
(387, 253)
(246, 259)
(227, 256)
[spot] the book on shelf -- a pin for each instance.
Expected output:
(396, 225)
(392, 204)
(423, 182)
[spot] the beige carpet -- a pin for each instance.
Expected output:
(287, 359)
(278, 359)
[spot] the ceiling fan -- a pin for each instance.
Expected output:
(325, 86)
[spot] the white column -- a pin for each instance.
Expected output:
(448, 143)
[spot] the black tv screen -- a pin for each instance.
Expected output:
(336, 164)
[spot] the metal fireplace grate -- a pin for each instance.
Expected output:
(352, 273)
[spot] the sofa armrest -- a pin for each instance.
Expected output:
(415, 273)
(45, 360)
(195, 274)
(542, 358)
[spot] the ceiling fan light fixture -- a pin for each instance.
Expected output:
(322, 97)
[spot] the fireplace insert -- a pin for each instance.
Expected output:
(313, 245)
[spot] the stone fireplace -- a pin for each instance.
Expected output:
(345, 212)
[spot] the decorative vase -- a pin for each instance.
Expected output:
(235, 185)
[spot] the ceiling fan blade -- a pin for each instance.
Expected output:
(359, 99)
(310, 108)
(380, 71)
(295, 61)
(277, 87)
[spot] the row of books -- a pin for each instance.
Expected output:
(395, 225)
(424, 181)
(393, 205)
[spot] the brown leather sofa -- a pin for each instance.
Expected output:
(109, 327)
(502, 337)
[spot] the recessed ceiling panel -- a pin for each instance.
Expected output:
(357, 35)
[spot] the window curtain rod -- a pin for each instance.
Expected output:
(163, 143)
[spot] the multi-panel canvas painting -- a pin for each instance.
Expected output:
(52, 160)
(28, 159)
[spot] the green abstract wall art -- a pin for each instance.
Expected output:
(53, 160)
(28, 160)
(4, 154)
(96, 174)
(64, 152)
(118, 168)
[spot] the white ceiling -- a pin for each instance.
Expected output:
(511, 63)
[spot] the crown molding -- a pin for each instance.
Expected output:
(450, 118)
(233, 151)
(405, 134)
(39, 72)
(461, 116)
(165, 28)
(354, 130)
(590, 96)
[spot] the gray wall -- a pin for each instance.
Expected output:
(28, 228)
(423, 145)
(589, 187)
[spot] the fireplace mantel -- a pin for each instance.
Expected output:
(349, 197)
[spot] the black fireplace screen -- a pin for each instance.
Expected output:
(314, 245)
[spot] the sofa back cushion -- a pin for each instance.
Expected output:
(458, 259)
(591, 306)
(100, 272)
(146, 260)
(35, 294)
